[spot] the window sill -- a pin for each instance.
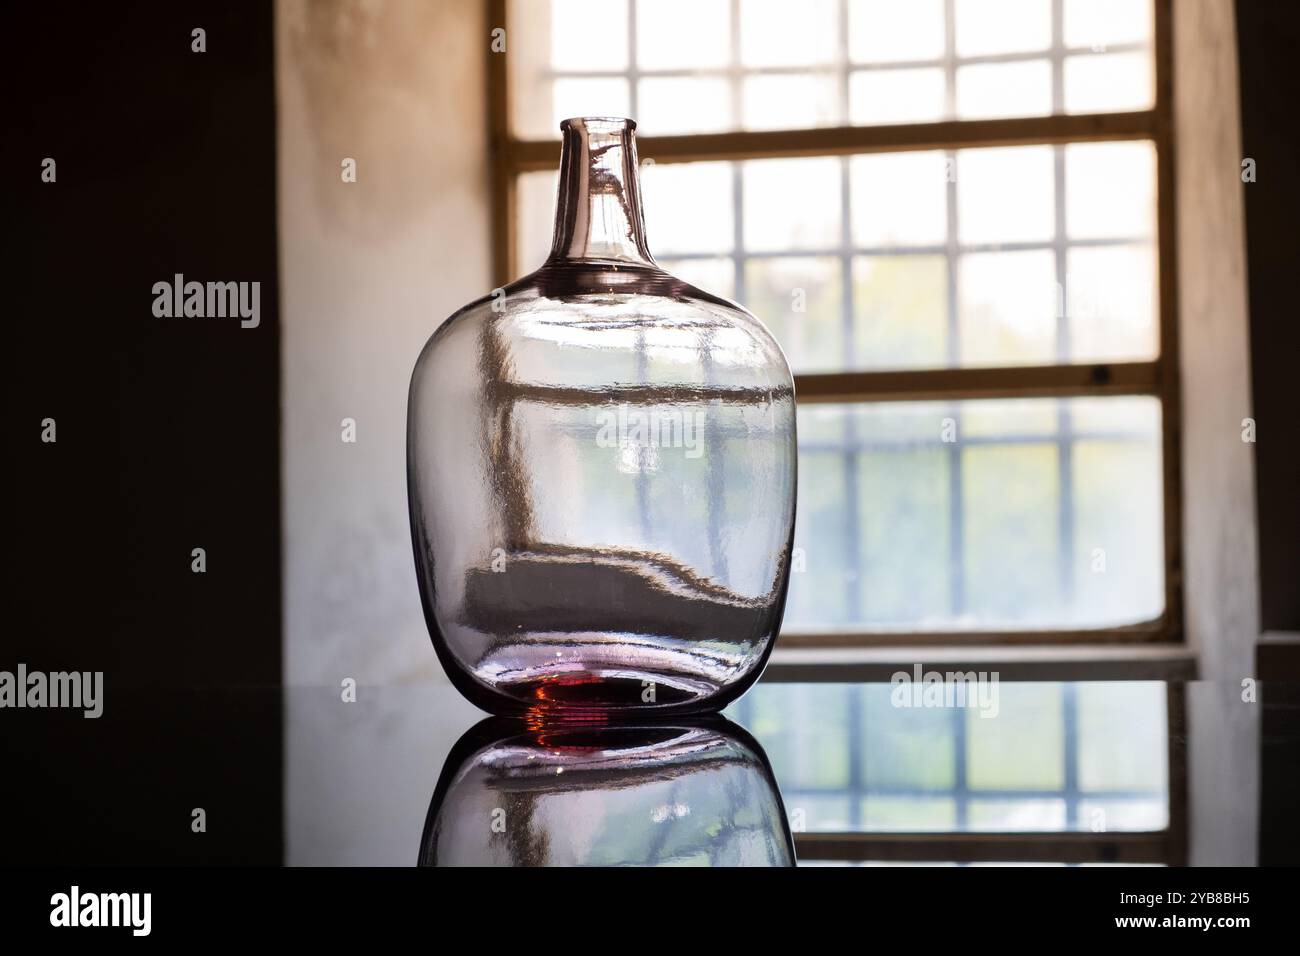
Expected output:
(1025, 662)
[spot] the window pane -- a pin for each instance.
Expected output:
(898, 199)
(1007, 308)
(900, 315)
(989, 90)
(715, 276)
(1117, 487)
(1010, 498)
(595, 96)
(1020, 749)
(919, 750)
(662, 44)
(1098, 83)
(1111, 190)
(799, 299)
(896, 96)
(1024, 814)
(909, 814)
(1117, 815)
(1097, 24)
(826, 592)
(671, 105)
(786, 34)
(805, 733)
(792, 204)
(1005, 195)
(954, 516)
(1002, 26)
(588, 34)
(1111, 302)
(1134, 710)
(1048, 756)
(788, 65)
(790, 101)
(688, 207)
(882, 31)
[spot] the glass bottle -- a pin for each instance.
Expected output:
(666, 794)
(601, 472)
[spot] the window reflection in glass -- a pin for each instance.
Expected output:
(1089, 757)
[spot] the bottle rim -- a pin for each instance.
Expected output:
(611, 123)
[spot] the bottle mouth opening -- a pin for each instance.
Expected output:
(598, 124)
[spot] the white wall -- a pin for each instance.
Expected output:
(368, 270)
(1220, 566)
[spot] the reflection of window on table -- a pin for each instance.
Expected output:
(1057, 757)
(969, 297)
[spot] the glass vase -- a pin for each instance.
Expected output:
(667, 794)
(601, 472)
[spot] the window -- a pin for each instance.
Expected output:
(954, 216)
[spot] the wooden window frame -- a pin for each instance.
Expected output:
(510, 156)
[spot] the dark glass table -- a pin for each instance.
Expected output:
(1088, 772)
(1073, 773)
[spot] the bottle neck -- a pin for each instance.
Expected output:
(598, 210)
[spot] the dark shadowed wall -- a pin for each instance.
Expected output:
(167, 432)
(1267, 36)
